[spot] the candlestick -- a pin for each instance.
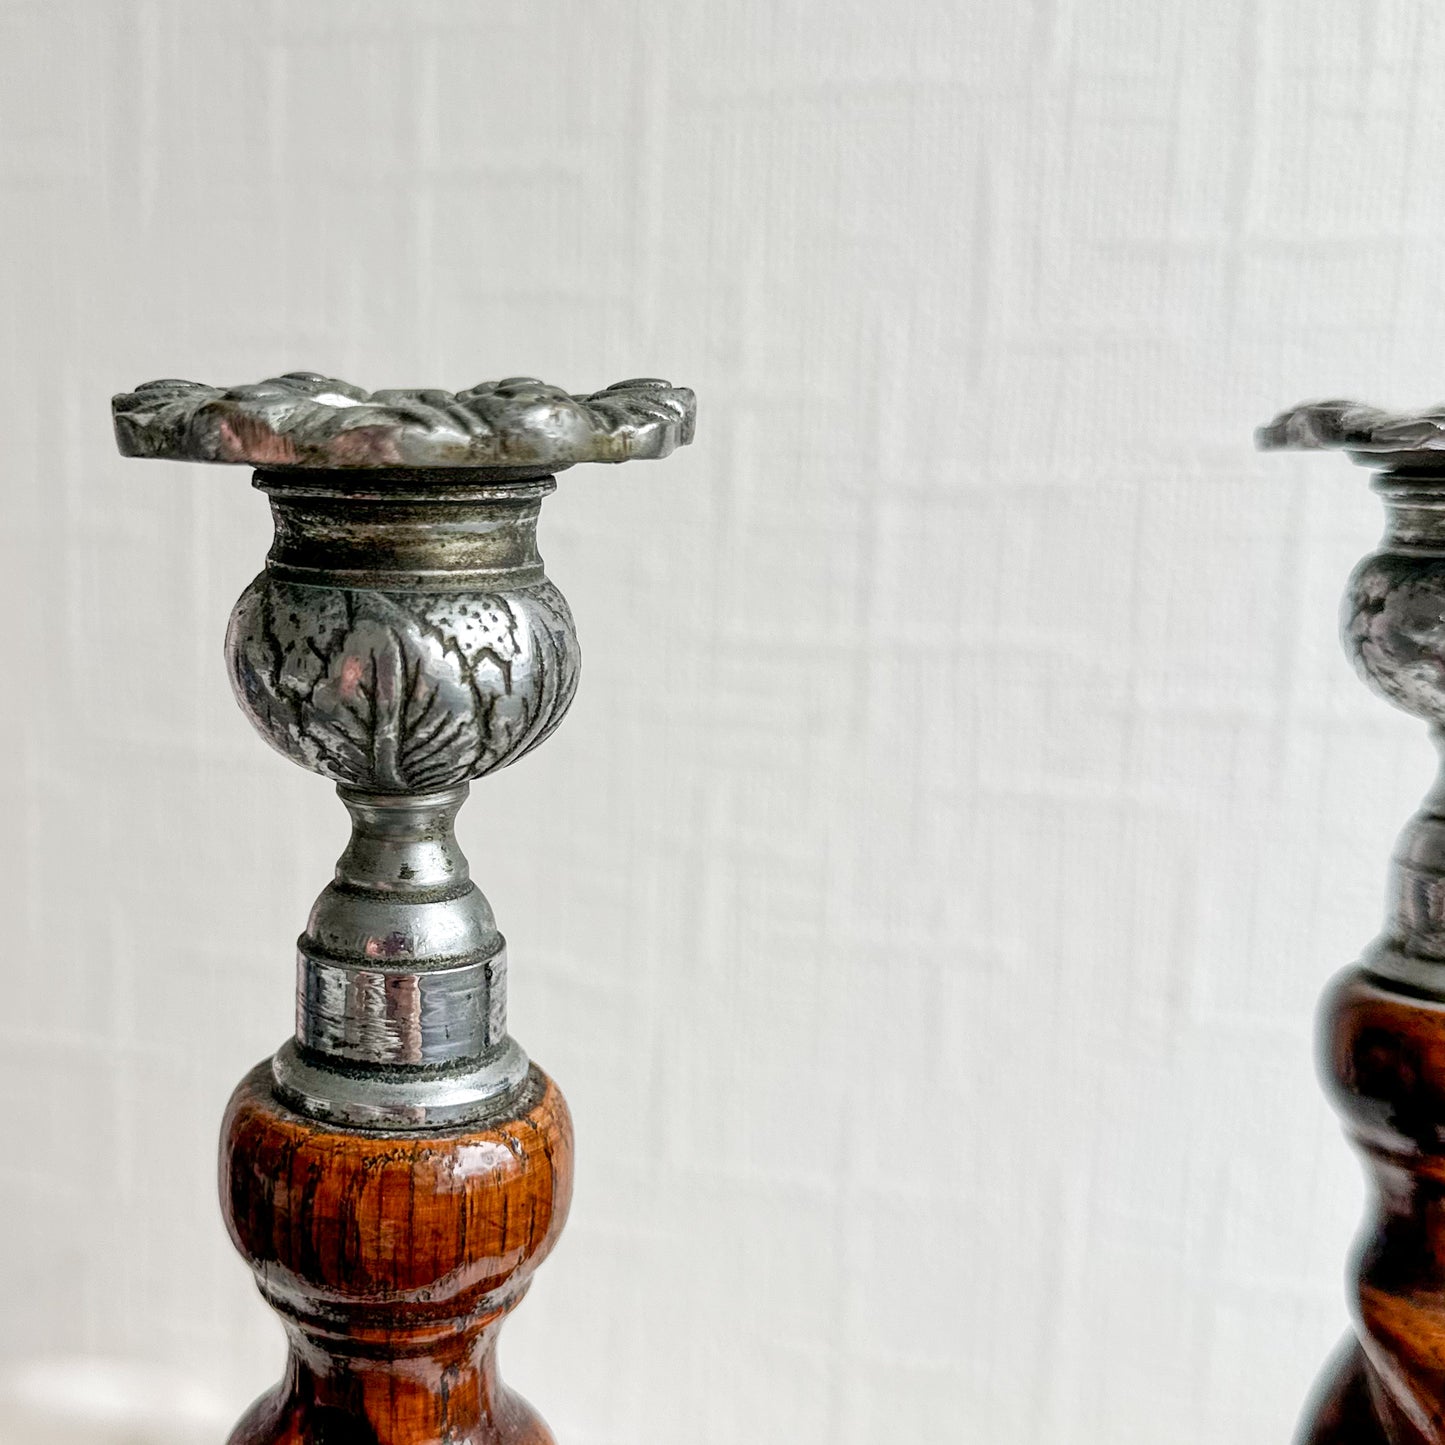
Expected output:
(1382, 1021)
(398, 1170)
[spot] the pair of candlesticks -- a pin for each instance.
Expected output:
(398, 1170)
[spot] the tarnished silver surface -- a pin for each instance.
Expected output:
(403, 640)
(402, 691)
(1393, 627)
(401, 961)
(1374, 437)
(303, 419)
(401, 1015)
(398, 1100)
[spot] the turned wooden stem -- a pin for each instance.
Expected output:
(393, 1261)
(445, 1399)
(1384, 1061)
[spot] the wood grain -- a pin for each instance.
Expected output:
(392, 1260)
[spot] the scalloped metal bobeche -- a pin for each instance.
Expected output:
(1373, 437)
(305, 420)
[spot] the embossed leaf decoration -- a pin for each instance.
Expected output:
(402, 697)
(402, 693)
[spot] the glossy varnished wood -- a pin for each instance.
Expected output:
(392, 1260)
(1383, 1056)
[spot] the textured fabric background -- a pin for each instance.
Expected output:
(925, 904)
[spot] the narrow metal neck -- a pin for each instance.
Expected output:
(405, 845)
(442, 539)
(1414, 510)
(1411, 950)
(401, 1001)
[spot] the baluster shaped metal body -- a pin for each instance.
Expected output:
(1382, 1022)
(399, 1168)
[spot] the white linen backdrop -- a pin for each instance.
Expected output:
(966, 800)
